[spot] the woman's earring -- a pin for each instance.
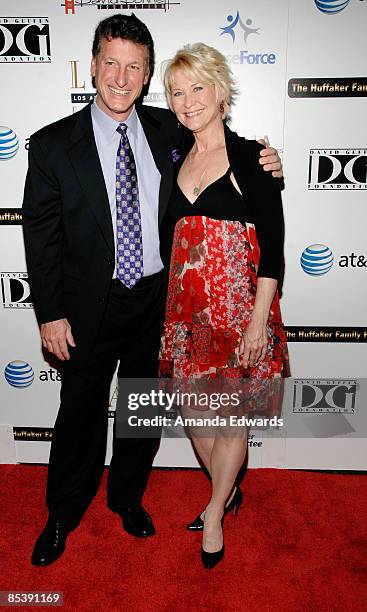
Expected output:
(221, 108)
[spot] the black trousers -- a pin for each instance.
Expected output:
(130, 332)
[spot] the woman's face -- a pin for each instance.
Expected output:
(194, 102)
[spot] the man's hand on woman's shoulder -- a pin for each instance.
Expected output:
(270, 160)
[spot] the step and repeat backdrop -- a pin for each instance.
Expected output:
(301, 74)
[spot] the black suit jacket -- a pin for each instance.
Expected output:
(67, 222)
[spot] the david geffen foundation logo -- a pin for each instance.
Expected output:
(24, 40)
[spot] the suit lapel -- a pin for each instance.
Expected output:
(84, 157)
(160, 147)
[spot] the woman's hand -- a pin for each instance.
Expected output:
(254, 343)
(255, 339)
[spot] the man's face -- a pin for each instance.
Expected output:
(120, 70)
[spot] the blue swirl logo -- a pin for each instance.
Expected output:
(19, 374)
(331, 6)
(317, 259)
(9, 143)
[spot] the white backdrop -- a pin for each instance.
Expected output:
(44, 67)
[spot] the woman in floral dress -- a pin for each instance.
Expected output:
(222, 315)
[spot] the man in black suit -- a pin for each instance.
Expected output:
(79, 257)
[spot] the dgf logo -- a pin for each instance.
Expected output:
(320, 396)
(24, 39)
(337, 169)
(15, 290)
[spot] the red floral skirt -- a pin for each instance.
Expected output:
(211, 294)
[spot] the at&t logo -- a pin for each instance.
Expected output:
(316, 259)
(237, 27)
(9, 143)
(19, 374)
(331, 7)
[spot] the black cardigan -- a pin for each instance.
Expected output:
(262, 198)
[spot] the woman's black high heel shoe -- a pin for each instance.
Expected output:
(210, 560)
(234, 504)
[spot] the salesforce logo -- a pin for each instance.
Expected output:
(9, 143)
(238, 28)
(331, 6)
(317, 259)
(19, 374)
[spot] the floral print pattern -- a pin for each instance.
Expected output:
(211, 294)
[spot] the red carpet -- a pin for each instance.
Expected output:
(298, 544)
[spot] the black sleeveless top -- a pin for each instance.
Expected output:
(219, 200)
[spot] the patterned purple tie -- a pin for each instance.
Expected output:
(129, 256)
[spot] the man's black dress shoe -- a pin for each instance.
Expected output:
(51, 543)
(136, 521)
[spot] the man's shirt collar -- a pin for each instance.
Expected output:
(108, 125)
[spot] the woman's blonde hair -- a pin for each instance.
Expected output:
(206, 64)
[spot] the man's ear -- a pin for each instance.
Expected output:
(93, 67)
(146, 78)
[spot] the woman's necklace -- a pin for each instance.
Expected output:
(197, 188)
